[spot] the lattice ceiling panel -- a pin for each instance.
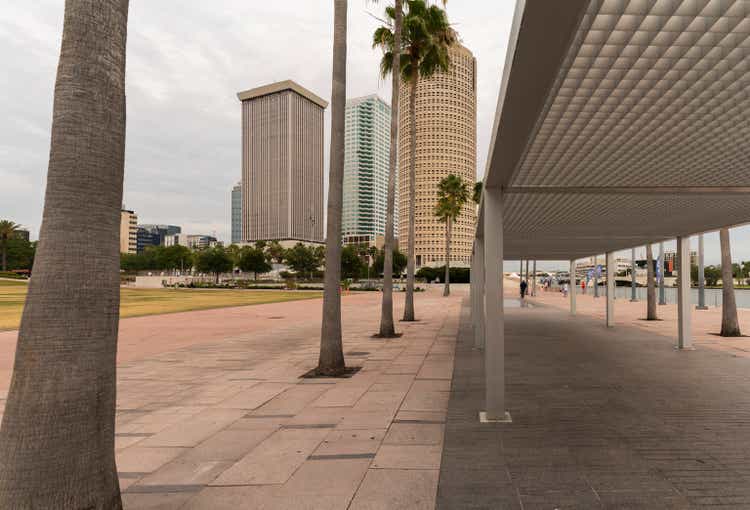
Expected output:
(653, 92)
(565, 226)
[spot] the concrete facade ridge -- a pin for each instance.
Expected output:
(280, 86)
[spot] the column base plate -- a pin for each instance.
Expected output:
(484, 419)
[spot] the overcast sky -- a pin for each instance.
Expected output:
(186, 62)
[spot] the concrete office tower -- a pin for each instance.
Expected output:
(128, 231)
(237, 213)
(366, 170)
(446, 144)
(282, 163)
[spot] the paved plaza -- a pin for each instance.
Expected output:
(602, 417)
(212, 413)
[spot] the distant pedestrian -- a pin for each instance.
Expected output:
(565, 290)
(583, 286)
(524, 286)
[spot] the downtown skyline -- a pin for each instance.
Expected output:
(182, 149)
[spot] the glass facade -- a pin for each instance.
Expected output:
(366, 168)
(237, 214)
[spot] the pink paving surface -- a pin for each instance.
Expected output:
(142, 337)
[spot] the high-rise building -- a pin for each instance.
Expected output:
(154, 235)
(201, 241)
(237, 213)
(282, 163)
(446, 122)
(366, 167)
(128, 231)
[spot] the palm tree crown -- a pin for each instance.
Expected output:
(8, 230)
(426, 38)
(453, 193)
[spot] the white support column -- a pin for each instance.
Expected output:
(479, 324)
(533, 279)
(473, 288)
(494, 348)
(573, 287)
(610, 289)
(684, 306)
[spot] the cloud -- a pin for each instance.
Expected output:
(186, 62)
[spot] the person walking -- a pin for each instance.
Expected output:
(583, 286)
(524, 286)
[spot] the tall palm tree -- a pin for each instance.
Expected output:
(389, 39)
(426, 39)
(453, 193)
(650, 285)
(8, 230)
(57, 437)
(476, 195)
(730, 326)
(331, 360)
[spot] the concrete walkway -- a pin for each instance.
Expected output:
(212, 414)
(602, 418)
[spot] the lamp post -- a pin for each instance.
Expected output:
(632, 275)
(596, 276)
(660, 264)
(701, 277)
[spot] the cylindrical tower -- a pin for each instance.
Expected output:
(446, 144)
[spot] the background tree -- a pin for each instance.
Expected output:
(234, 252)
(58, 432)
(319, 255)
(214, 260)
(650, 285)
(331, 359)
(302, 259)
(737, 272)
(352, 265)
(712, 275)
(730, 326)
(389, 40)
(276, 252)
(253, 260)
(8, 231)
(175, 257)
(398, 262)
(426, 39)
(453, 193)
(20, 253)
(745, 271)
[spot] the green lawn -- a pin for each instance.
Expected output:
(139, 302)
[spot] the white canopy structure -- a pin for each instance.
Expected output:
(619, 123)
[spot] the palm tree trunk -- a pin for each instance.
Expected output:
(331, 360)
(387, 328)
(409, 304)
(448, 235)
(5, 257)
(730, 326)
(57, 436)
(651, 286)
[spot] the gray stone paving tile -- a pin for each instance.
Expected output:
(602, 418)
